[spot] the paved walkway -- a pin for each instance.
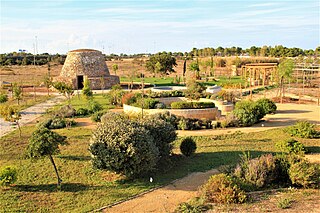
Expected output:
(30, 114)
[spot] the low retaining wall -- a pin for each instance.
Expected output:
(208, 113)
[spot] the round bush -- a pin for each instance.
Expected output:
(247, 112)
(8, 175)
(188, 146)
(266, 105)
(291, 146)
(123, 146)
(93, 106)
(82, 112)
(3, 98)
(305, 174)
(96, 117)
(160, 106)
(303, 129)
(222, 189)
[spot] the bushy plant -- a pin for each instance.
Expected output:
(8, 175)
(3, 97)
(194, 206)
(291, 146)
(303, 129)
(123, 146)
(163, 134)
(160, 105)
(146, 103)
(257, 172)
(128, 98)
(66, 111)
(247, 112)
(93, 106)
(86, 90)
(96, 117)
(188, 146)
(305, 174)
(82, 112)
(194, 90)
(266, 105)
(54, 123)
(114, 96)
(167, 117)
(222, 189)
(191, 105)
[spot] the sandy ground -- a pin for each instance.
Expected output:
(165, 199)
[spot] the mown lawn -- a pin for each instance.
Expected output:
(85, 189)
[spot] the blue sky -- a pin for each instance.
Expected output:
(138, 26)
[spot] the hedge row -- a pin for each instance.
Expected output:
(191, 105)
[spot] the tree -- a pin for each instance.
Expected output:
(86, 90)
(194, 67)
(44, 142)
(194, 89)
(161, 63)
(285, 70)
(115, 68)
(11, 114)
(65, 89)
(17, 92)
(47, 82)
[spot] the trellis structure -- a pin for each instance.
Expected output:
(259, 74)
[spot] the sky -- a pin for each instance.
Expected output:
(149, 26)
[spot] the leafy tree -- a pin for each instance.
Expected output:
(194, 90)
(115, 68)
(11, 114)
(194, 67)
(115, 95)
(44, 142)
(17, 92)
(161, 63)
(65, 89)
(285, 70)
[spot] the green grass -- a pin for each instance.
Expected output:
(85, 189)
(28, 101)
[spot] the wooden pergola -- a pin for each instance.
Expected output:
(259, 74)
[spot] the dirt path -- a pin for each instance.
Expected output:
(30, 114)
(165, 199)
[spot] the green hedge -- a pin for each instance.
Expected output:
(191, 105)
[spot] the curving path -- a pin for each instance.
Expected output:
(30, 114)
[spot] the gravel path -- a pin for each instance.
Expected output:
(30, 114)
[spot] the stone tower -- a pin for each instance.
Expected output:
(90, 64)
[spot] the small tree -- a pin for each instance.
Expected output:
(194, 90)
(44, 142)
(47, 82)
(65, 89)
(194, 67)
(161, 63)
(86, 90)
(115, 68)
(11, 114)
(285, 70)
(17, 92)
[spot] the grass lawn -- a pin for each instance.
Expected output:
(85, 189)
(168, 81)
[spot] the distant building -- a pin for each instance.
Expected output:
(90, 64)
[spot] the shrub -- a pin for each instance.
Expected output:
(266, 105)
(291, 146)
(222, 189)
(167, 117)
(188, 146)
(86, 90)
(96, 117)
(123, 146)
(114, 96)
(247, 112)
(146, 103)
(285, 203)
(93, 106)
(305, 174)
(163, 134)
(3, 97)
(191, 105)
(82, 112)
(128, 98)
(8, 175)
(160, 105)
(257, 172)
(54, 123)
(66, 111)
(194, 206)
(303, 129)
(194, 90)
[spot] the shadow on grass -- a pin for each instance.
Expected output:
(292, 111)
(74, 157)
(65, 187)
(313, 149)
